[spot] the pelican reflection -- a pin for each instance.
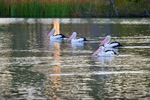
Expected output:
(76, 46)
(104, 60)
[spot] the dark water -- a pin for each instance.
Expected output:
(33, 68)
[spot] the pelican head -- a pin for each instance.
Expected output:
(106, 40)
(100, 49)
(72, 36)
(51, 33)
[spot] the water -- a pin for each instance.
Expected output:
(34, 68)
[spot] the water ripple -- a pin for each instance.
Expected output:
(99, 73)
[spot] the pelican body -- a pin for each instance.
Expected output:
(102, 53)
(55, 37)
(73, 38)
(106, 43)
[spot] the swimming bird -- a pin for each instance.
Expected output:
(73, 38)
(106, 43)
(102, 53)
(55, 37)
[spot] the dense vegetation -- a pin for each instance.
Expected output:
(74, 8)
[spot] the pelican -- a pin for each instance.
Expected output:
(73, 38)
(102, 53)
(55, 37)
(106, 43)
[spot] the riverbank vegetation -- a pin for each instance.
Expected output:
(74, 8)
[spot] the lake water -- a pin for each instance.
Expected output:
(33, 68)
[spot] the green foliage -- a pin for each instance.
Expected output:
(4, 10)
(132, 8)
(99, 8)
(13, 9)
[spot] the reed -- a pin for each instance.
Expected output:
(4, 10)
(77, 8)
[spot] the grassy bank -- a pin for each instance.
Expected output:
(80, 8)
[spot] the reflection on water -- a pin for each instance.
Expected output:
(75, 46)
(35, 68)
(55, 80)
(103, 60)
(57, 27)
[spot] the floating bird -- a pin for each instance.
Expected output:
(55, 37)
(106, 43)
(102, 53)
(73, 38)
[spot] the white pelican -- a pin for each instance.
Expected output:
(73, 38)
(106, 43)
(102, 53)
(55, 37)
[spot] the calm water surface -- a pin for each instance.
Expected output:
(34, 68)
